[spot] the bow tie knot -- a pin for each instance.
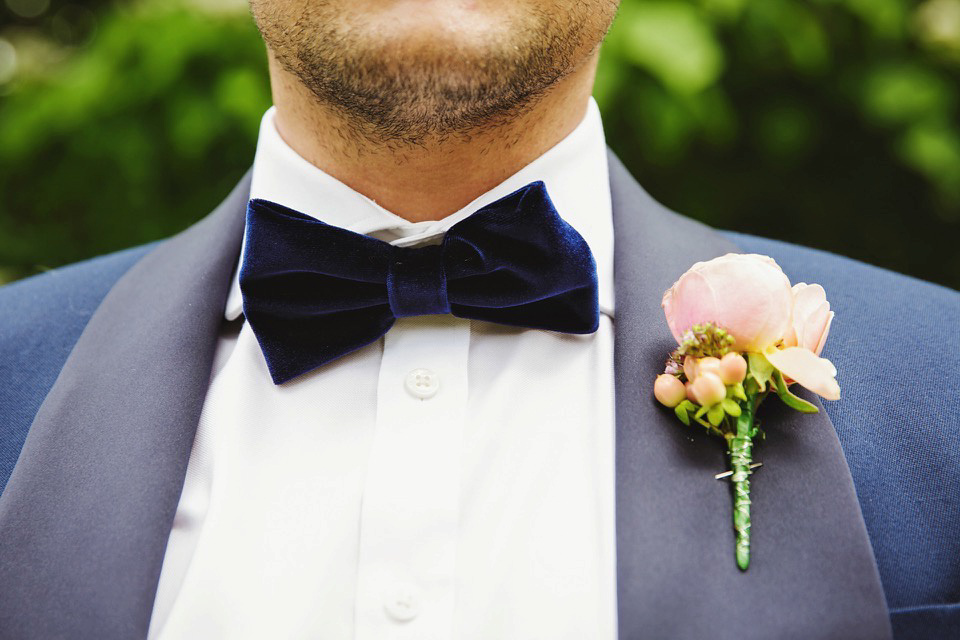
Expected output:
(313, 292)
(417, 282)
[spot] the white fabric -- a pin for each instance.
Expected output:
(451, 480)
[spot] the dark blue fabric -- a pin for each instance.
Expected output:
(937, 622)
(896, 343)
(40, 320)
(313, 292)
(417, 282)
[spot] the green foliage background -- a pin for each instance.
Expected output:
(831, 123)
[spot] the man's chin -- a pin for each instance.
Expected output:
(435, 24)
(411, 69)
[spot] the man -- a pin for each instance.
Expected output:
(189, 464)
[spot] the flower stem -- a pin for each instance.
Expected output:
(741, 455)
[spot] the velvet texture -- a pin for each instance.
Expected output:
(313, 292)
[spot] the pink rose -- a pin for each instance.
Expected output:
(749, 296)
(799, 358)
(746, 294)
(811, 318)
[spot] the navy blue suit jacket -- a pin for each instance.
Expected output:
(895, 341)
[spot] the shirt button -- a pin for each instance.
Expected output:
(403, 602)
(422, 383)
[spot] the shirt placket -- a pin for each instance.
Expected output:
(411, 497)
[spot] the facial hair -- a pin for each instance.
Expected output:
(408, 93)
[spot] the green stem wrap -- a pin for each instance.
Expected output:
(741, 455)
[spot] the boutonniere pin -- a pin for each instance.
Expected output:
(743, 333)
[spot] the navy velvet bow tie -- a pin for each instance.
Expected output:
(313, 292)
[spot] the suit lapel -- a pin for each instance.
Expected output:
(812, 573)
(85, 517)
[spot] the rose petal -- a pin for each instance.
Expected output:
(807, 369)
(823, 336)
(811, 317)
(813, 328)
(790, 337)
(746, 294)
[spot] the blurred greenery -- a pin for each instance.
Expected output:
(830, 123)
(130, 137)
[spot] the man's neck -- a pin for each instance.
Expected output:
(440, 177)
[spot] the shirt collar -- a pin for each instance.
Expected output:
(574, 171)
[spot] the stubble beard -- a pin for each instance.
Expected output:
(406, 94)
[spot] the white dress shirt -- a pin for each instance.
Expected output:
(453, 479)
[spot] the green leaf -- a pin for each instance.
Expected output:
(681, 412)
(706, 424)
(702, 411)
(789, 399)
(759, 369)
(731, 407)
(715, 415)
(737, 391)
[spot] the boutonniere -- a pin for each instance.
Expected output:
(743, 333)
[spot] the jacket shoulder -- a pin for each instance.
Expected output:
(848, 277)
(896, 347)
(41, 319)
